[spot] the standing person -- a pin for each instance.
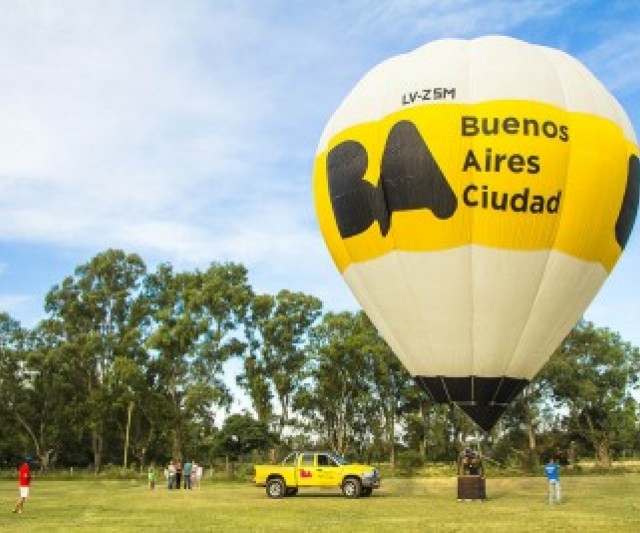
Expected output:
(151, 476)
(187, 470)
(201, 474)
(178, 475)
(24, 481)
(171, 475)
(196, 474)
(552, 470)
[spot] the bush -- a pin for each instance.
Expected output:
(410, 459)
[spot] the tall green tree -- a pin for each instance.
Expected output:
(527, 415)
(593, 375)
(13, 384)
(57, 400)
(391, 385)
(253, 379)
(198, 319)
(100, 317)
(337, 401)
(38, 389)
(281, 328)
(127, 392)
(419, 422)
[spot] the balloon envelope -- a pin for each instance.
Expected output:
(475, 195)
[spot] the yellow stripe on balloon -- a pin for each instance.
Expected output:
(569, 167)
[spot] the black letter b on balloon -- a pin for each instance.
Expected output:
(410, 179)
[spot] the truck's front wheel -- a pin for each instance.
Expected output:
(351, 487)
(275, 488)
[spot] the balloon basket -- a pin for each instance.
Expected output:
(472, 488)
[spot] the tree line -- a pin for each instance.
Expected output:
(128, 366)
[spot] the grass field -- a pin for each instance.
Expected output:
(591, 503)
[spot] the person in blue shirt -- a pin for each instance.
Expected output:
(186, 471)
(552, 470)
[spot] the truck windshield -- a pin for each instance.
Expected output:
(340, 460)
(290, 459)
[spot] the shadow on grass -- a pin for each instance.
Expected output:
(335, 495)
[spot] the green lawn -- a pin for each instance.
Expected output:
(591, 503)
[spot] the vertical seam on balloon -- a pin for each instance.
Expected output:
(585, 75)
(472, 335)
(356, 274)
(549, 252)
(389, 333)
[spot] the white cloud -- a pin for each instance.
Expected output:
(615, 60)
(432, 19)
(146, 124)
(110, 118)
(186, 131)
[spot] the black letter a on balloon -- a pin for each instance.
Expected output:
(409, 179)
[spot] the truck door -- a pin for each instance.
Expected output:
(307, 476)
(328, 471)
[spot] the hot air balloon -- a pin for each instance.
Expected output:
(475, 195)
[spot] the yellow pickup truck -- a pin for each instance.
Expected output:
(317, 470)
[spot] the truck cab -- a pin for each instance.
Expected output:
(317, 470)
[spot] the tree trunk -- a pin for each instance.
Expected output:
(532, 437)
(97, 444)
(603, 454)
(28, 429)
(533, 454)
(572, 455)
(391, 435)
(600, 444)
(141, 448)
(177, 445)
(126, 434)
(284, 416)
(340, 440)
(423, 448)
(142, 456)
(423, 439)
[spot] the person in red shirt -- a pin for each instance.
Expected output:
(24, 481)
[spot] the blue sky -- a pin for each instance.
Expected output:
(186, 131)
